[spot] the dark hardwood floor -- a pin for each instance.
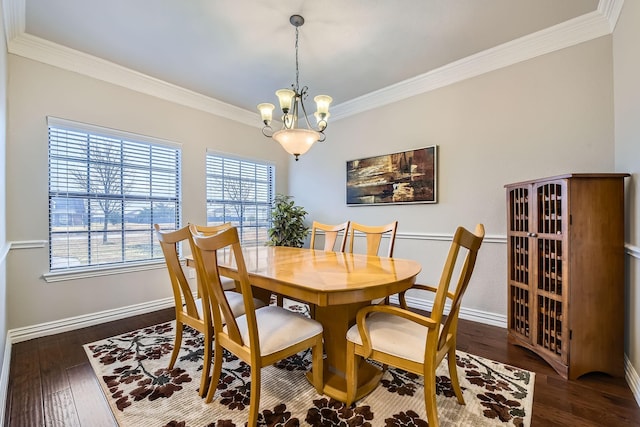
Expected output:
(52, 384)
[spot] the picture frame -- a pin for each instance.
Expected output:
(397, 178)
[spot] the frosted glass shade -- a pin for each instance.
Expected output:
(322, 103)
(285, 97)
(296, 141)
(266, 111)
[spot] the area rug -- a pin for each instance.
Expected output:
(131, 369)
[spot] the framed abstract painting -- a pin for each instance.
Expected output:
(404, 177)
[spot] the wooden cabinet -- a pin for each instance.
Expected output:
(565, 245)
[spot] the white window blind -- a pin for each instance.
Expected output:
(241, 192)
(106, 190)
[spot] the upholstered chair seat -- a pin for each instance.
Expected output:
(278, 329)
(394, 335)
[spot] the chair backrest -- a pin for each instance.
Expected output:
(205, 256)
(169, 241)
(331, 233)
(374, 236)
(467, 242)
(208, 230)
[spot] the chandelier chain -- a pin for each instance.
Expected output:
(297, 70)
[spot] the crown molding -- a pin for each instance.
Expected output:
(578, 30)
(47, 52)
(611, 9)
(14, 18)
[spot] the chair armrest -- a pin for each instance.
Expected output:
(361, 319)
(403, 301)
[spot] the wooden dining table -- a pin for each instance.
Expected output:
(338, 284)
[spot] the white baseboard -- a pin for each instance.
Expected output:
(631, 375)
(50, 328)
(71, 323)
(4, 378)
(479, 316)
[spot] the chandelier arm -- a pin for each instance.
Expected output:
(304, 111)
(267, 131)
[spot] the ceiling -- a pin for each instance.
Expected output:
(233, 54)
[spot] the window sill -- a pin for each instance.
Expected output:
(61, 276)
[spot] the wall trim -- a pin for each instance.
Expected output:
(4, 377)
(446, 237)
(71, 323)
(631, 375)
(437, 237)
(632, 250)
(4, 251)
(583, 28)
(572, 32)
(28, 244)
(485, 317)
(41, 50)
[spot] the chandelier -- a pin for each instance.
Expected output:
(296, 140)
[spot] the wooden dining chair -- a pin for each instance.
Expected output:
(373, 235)
(415, 343)
(228, 284)
(331, 233)
(193, 312)
(207, 230)
(262, 336)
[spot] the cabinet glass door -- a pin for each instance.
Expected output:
(550, 285)
(519, 265)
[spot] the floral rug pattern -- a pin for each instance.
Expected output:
(132, 370)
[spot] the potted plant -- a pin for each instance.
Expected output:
(287, 223)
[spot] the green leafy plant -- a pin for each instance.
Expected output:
(287, 223)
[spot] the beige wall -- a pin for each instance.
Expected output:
(546, 116)
(37, 91)
(626, 64)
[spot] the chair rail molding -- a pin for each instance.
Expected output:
(4, 251)
(446, 237)
(632, 250)
(436, 237)
(28, 244)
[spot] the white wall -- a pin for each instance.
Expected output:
(546, 116)
(4, 244)
(626, 64)
(36, 91)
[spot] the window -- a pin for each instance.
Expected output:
(241, 192)
(106, 190)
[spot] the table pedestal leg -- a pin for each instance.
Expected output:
(336, 320)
